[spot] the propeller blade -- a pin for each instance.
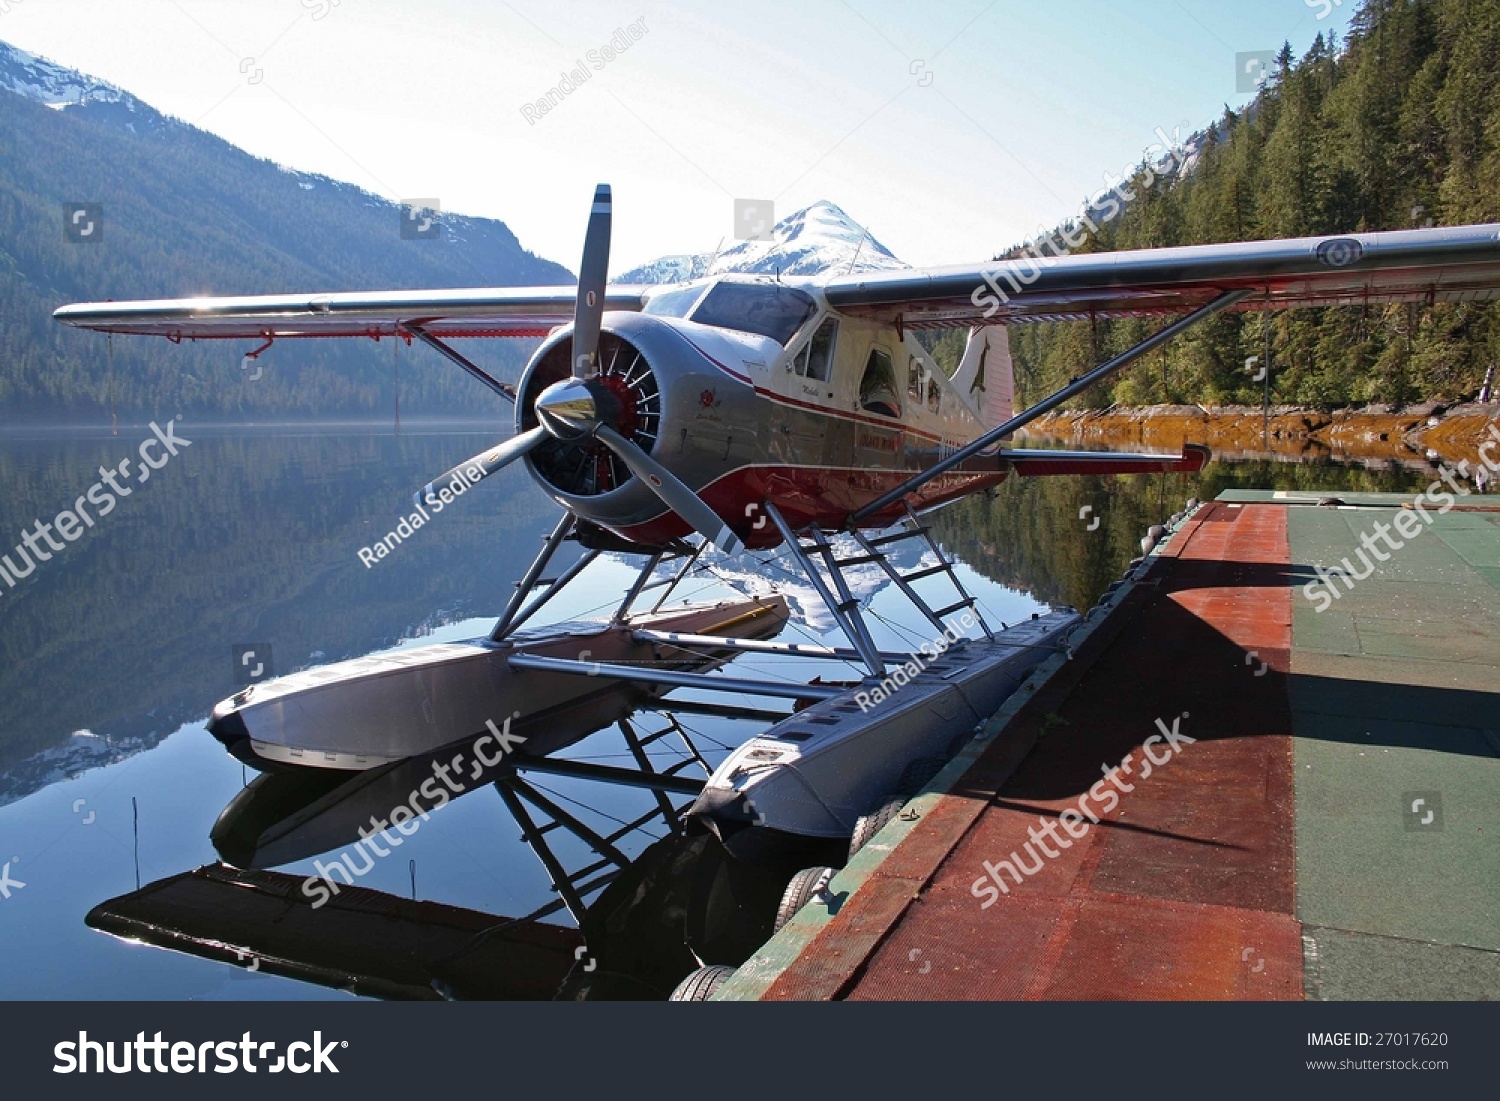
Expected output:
(588, 311)
(487, 463)
(676, 496)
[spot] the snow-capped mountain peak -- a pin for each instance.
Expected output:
(44, 81)
(818, 240)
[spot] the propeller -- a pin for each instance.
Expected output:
(582, 408)
(588, 310)
(487, 463)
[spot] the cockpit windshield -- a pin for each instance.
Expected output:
(767, 309)
(675, 303)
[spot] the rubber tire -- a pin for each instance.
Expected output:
(702, 983)
(798, 893)
(868, 825)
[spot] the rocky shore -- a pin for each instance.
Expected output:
(1448, 433)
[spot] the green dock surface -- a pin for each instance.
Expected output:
(1395, 695)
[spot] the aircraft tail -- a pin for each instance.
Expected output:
(985, 377)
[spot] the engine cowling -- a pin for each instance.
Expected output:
(629, 399)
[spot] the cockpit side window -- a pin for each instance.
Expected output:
(877, 389)
(815, 360)
(765, 309)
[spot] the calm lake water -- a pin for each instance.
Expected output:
(113, 652)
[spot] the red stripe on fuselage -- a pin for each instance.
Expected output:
(808, 495)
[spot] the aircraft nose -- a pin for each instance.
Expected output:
(568, 409)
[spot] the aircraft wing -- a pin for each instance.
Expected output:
(505, 311)
(1458, 264)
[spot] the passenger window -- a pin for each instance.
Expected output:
(934, 395)
(877, 389)
(913, 378)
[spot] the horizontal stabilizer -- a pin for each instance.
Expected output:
(1035, 463)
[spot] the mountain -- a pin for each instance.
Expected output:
(816, 240)
(184, 213)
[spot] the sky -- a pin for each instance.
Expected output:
(950, 131)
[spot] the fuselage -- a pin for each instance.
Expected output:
(755, 391)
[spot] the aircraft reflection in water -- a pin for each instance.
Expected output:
(687, 897)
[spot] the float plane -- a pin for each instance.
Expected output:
(760, 412)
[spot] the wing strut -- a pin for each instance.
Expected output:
(504, 389)
(1047, 404)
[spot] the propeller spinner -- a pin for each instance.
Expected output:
(582, 409)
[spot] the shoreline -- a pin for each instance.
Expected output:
(1414, 432)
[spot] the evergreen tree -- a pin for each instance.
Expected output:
(1397, 126)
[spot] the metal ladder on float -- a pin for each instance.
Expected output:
(874, 552)
(841, 601)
